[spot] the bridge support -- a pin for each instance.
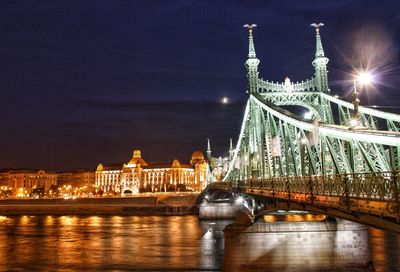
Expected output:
(217, 211)
(301, 246)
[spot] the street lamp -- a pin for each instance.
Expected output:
(363, 79)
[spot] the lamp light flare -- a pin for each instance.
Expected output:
(224, 100)
(239, 200)
(364, 78)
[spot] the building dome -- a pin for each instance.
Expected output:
(176, 164)
(197, 157)
(136, 160)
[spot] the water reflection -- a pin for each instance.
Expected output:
(212, 243)
(385, 248)
(93, 243)
(131, 243)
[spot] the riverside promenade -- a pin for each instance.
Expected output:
(160, 204)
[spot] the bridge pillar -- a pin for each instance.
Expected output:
(299, 246)
(217, 211)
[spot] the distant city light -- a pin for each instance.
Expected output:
(225, 100)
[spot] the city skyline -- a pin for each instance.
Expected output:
(84, 83)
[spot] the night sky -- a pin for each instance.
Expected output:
(84, 82)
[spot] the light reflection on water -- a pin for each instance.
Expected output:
(385, 250)
(128, 243)
(133, 243)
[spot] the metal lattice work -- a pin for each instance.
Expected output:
(275, 143)
(371, 198)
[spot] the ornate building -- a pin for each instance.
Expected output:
(139, 176)
(22, 181)
(78, 178)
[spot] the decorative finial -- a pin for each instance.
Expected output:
(250, 27)
(317, 26)
(252, 50)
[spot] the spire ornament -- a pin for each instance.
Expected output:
(252, 62)
(320, 62)
(252, 50)
(319, 52)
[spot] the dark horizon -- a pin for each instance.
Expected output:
(84, 83)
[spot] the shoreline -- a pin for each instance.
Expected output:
(140, 205)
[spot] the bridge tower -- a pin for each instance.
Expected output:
(320, 62)
(252, 62)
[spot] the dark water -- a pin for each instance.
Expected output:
(385, 250)
(133, 243)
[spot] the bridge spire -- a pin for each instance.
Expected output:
(230, 149)
(252, 61)
(252, 49)
(320, 62)
(319, 52)
(208, 150)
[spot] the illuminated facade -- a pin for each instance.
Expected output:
(139, 176)
(22, 182)
(79, 178)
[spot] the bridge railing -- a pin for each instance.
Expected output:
(269, 86)
(373, 186)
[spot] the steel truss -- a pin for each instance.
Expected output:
(274, 142)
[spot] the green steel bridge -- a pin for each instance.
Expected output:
(325, 163)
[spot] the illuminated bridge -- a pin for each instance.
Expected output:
(342, 160)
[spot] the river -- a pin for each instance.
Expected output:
(133, 243)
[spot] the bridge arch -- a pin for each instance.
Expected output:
(365, 219)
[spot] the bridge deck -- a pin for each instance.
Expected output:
(368, 198)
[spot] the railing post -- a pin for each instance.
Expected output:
(273, 186)
(346, 190)
(288, 188)
(395, 192)
(311, 189)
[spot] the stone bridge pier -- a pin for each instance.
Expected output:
(328, 245)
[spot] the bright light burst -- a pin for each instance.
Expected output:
(365, 78)
(239, 200)
(370, 47)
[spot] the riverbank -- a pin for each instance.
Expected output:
(169, 204)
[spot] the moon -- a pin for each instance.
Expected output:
(224, 100)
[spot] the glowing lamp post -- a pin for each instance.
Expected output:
(363, 78)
